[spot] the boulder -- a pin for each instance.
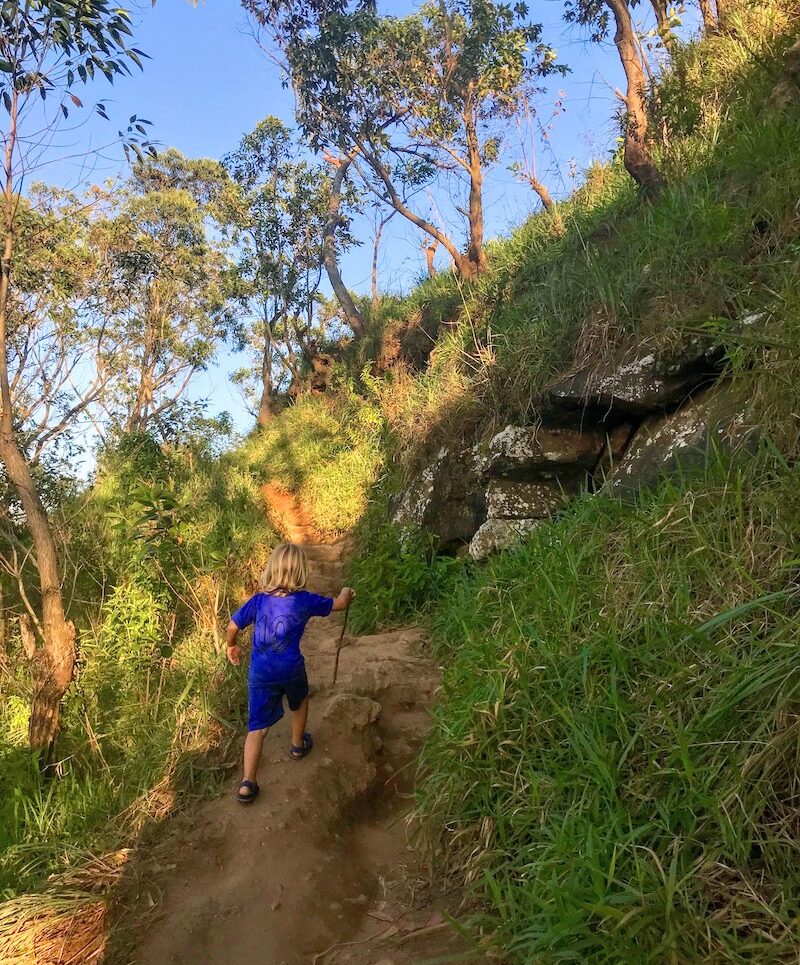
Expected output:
(499, 534)
(523, 450)
(640, 383)
(447, 498)
(684, 440)
(509, 499)
(358, 716)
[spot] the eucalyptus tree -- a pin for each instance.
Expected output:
(170, 285)
(48, 49)
(408, 100)
(598, 16)
(280, 227)
(54, 331)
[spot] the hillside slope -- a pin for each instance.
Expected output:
(613, 766)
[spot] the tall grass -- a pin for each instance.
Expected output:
(719, 246)
(614, 761)
(327, 452)
(164, 545)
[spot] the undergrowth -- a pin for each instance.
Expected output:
(168, 542)
(327, 451)
(614, 761)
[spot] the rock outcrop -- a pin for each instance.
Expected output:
(524, 449)
(447, 498)
(622, 424)
(636, 384)
(684, 441)
(500, 534)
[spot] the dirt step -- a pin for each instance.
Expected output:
(319, 868)
(327, 552)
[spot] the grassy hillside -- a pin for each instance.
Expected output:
(722, 244)
(613, 764)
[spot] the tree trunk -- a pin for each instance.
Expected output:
(354, 317)
(56, 663)
(662, 20)
(463, 267)
(475, 252)
(139, 412)
(708, 15)
(546, 198)
(3, 622)
(723, 14)
(376, 244)
(265, 408)
(544, 193)
(57, 656)
(429, 247)
(638, 161)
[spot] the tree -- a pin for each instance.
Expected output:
(526, 169)
(47, 47)
(638, 160)
(708, 15)
(336, 223)
(169, 285)
(380, 223)
(410, 99)
(280, 225)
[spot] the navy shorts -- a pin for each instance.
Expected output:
(266, 699)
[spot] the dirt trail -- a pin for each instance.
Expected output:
(318, 870)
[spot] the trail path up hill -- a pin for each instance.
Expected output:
(318, 870)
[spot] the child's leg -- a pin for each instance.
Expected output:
(299, 720)
(252, 755)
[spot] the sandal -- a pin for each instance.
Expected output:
(298, 753)
(248, 798)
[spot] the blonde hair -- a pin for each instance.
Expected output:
(286, 571)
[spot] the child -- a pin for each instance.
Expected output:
(280, 613)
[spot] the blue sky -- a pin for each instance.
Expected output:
(207, 83)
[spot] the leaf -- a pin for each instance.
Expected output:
(76, 100)
(5, 66)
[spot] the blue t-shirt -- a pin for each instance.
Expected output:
(279, 625)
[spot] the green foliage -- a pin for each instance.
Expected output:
(327, 452)
(412, 97)
(166, 287)
(277, 217)
(720, 245)
(613, 763)
(52, 48)
(397, 579)
(167, 540)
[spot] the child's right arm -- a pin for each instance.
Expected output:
(243, 617)
(346, 596)
(233, 648)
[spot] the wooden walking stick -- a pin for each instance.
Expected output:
(339, 646)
